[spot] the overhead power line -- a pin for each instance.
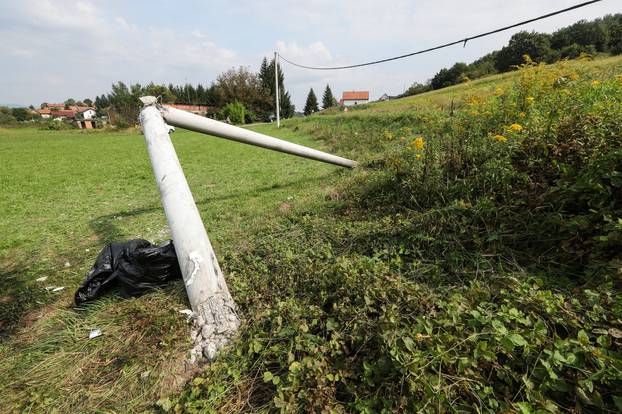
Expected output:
(457, 42)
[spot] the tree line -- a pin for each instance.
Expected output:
(311, 104)
(599, 36)
(238, 95)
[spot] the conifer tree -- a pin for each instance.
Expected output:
(328, 100)
(311, 105)
(266, 75)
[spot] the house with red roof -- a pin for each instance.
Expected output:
(63, 114)
(44, 112)
(351, 98)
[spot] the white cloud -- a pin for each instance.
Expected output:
(79, 43)
(54, 49)
(315, 53)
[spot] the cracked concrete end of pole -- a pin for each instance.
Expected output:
(214, 318)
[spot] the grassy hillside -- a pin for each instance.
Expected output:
(487, 86)
(470, 264)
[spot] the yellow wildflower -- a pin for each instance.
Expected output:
(418, 156)
(516, 127)
(499, 91)
(522, 115)
(620, 78)
(500, 138)
(596, 83)
(530, 99)
(418, 143)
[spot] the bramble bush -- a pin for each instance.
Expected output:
(472, 264)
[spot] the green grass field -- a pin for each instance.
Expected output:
(66, 194)
(470, 264)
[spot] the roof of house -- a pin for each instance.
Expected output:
(84, 109)
(355, 95)
(64, 112)
(43, 111)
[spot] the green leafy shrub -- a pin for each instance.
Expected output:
(235, 112)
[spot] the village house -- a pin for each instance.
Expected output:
(44, 113)
(62, 114)
(351, 98)
(86, 118)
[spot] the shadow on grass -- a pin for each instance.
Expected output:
(17, 297)
(106, 229)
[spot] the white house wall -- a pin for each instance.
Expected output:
(355, 102)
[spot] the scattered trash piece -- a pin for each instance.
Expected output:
(133, 268)
(145, 375)
(189, 314)
(42, 279)
(67, 264)
(95, 333)
(58, 289)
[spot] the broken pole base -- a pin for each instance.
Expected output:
(214, 325)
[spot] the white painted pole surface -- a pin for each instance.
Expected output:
(276, 83)
(198, 123)
(205, 284)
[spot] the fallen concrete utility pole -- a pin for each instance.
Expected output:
(208, 126)
(207, 290)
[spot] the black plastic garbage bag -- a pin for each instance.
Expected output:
(132, 268)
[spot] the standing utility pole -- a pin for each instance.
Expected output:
(276, 83)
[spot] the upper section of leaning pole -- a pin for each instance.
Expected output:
(187, 120)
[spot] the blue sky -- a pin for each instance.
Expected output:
(55, 49)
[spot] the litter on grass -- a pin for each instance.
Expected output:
(132, 268)
(95, 333)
